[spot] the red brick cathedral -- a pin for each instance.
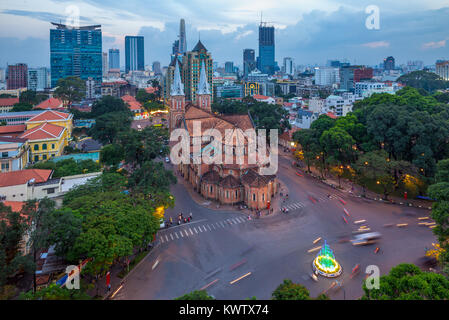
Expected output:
(226, 183)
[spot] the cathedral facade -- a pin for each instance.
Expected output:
(225, 183)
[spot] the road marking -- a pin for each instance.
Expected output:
(162, 239)
(176, 235)
(222, 224)
(316, 240)
(113, 295)
(229, 221)
(217, 224)
(209, 284)
(191, 231)
(182, 236)
(209, 228)
(238, 279)
(195, 230)
(166, 238)
(155, 264)
(359, 221)
(213, 226)
(171, 236)
(204, 228)
(402, 225)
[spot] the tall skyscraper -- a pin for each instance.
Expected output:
(134, 53)
(175, 48)
(105, 64)
(229, 67)
(389, 63)
(37, 79)
(17, 76)
(182, 37)
(288, 66)
(114, 59)
(249, 61)
(191, 64)
(266, 60)
(76, 51)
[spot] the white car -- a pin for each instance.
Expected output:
(167, 159)
(162, 223)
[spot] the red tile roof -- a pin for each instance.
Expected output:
(16, 206)
(23, 176)
(18, 128)
(6, 102)
(260, 97)
(132, 102)
(51, 103)
(331, 115)
(128, 98)
(150, 90)
(44, 131)
(50, 115)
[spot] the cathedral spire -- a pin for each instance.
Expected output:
(203, 85)
(177, 88)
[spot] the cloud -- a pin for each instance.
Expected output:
(376, 44)
(244, 34)
(434, 45)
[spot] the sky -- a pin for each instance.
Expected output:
(311, 32)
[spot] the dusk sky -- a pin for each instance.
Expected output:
(311, 32)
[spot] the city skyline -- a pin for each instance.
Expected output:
(307, 38)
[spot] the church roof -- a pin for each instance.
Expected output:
(230, 182)
(211, 177)
(199, 46)
(177, 88)
(203, 85)
(253, 179)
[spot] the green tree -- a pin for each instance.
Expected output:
(68, 167)
(70, 89)
(112, 154)
(428, 81)
(408, 282)
(151, 178)
(142, 96)
(108, 126)
(196, 295)
(109, 104)
(55, 292)
(21, 106)
(289, 290)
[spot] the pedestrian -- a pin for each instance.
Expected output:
(185, 220)
(191, 217)
(171, 221)
(188, 219)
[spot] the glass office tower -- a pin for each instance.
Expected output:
(134, 53)
(76, 52)
(114, 59)
(266, 49)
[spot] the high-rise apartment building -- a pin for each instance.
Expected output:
(266, 60)
(326, 76)
(37, 79)
(76, 51)
(157, 68)
(191, 66)
(105, 64)
(288, 66)
(349, 75)
(134, 53)
(114, 59)
(442, 69)
(249, 61)
(389, 63)
(17, 76)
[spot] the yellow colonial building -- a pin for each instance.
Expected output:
(47, 134)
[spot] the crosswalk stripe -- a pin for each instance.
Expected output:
(166, 238)
(171, 236)
(191, 231)
(240, 219)
(195, 230)
(209, 228)
(234, 221)
(222, 224)
(176, 235)
(229, 221)
(213, 226)
(162, 239)
(182, 236)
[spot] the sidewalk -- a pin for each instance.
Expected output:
(356, 190)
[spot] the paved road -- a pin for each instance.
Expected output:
(236, 258)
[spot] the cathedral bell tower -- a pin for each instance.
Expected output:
(203, 95)
(177, 100)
